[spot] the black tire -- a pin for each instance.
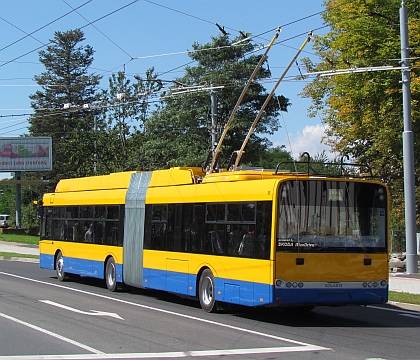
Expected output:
(59, 267)
(206, 291)
(111, 274)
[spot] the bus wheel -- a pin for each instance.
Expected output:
(110, 274)
(206, 291)
(59, 266)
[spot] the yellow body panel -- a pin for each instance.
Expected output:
(223, 177)
(175, 176)
(100, 197)
(81, 250)
(253, 270)
(214, 192)
(331, 267)
(90, 183)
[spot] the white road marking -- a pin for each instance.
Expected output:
(413, 316)
(93, 313)
(85, 347)
(169, 355)
(401, 312)
(164, 311)
(303, 347)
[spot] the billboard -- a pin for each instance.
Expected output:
(25, 154)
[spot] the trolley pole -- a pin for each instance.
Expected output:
(95, 156)
(408, 151)
(213, 97)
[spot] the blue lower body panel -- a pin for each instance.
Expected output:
(257, 294)
(83, 267)
(331, 296)
(230, 291)
(46, 261)
(175, 282)
(243, 292)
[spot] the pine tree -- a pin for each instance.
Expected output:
(60, 106)
(177, 133)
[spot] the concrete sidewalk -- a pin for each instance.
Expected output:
(18, 248)
(401, 282)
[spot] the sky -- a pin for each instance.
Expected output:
(133, 36)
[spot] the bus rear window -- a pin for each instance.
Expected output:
(322, 215)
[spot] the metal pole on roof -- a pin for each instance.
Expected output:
(267, 100)
(213, 97)
(408, 151)
(95, 156)
(210, 167)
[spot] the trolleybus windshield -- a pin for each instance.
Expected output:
(331, 216)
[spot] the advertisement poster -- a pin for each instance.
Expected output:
(25, 154)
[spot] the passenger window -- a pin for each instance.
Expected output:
(234, 212)
(215, 212)
(248, 212)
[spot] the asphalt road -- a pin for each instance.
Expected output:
(41, 318)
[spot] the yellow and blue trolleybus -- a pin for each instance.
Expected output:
(250, 237)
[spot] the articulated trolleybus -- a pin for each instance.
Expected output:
(251, 237)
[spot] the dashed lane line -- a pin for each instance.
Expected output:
(172, 355)
(50, 333)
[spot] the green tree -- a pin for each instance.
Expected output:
(271, 157)
(30, 193)
(363, 111)
(60, 107)
(7, 195)
(178, 132)
(123, 118)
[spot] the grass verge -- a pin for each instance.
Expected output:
(404, 297)
(23, 239)
(9, 255)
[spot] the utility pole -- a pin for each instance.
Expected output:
(18, 197)
(408, 151)
(213, 97)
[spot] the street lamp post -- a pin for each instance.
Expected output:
(408, 151)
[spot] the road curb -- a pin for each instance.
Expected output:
(405, 306)
(22, 259)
